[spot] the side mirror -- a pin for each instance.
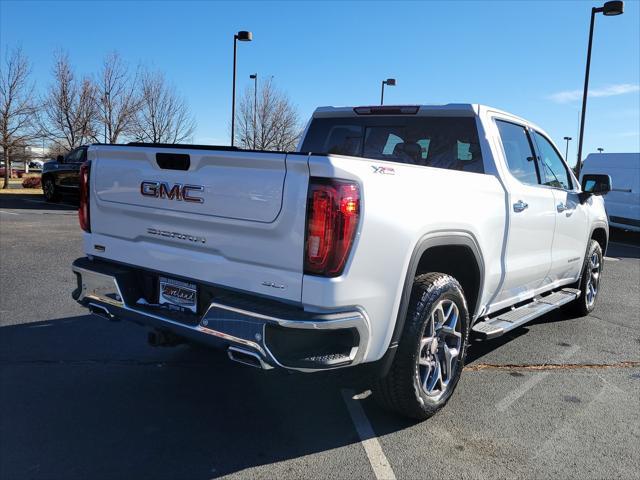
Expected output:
(594, 184)
(60, 159)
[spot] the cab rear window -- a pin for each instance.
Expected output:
(440, 142)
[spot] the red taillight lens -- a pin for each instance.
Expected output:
(333, 211)
(83, 211)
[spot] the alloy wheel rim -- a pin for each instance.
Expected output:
(593, 281)
(440, 348)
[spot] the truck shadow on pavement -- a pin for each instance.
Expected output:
(478, 347)
(24, 201)
(623, 244)
(86, 398)
(618, 250)
(83, 398)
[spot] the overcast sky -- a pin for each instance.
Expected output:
(524, 57)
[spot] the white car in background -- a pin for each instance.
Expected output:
(623, 202)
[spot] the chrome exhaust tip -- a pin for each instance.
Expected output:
(247, 357)
(101, 311)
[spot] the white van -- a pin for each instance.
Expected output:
(623, 202)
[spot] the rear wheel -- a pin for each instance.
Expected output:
(431, 352)
(589, 283)
(50, 191)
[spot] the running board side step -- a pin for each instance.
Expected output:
(505, 322)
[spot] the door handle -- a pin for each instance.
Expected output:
(520, 206)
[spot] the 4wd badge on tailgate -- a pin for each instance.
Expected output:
(180, 294)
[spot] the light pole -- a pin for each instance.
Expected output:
(255, 105)
(609, 9)
(566, 153)
(389, 81)
(243, 36)
(106, 103)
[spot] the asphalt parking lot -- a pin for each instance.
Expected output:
(81, 397)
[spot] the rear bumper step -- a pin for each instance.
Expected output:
(505, 322)
(260, 338)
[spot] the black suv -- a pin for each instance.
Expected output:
(62, 175)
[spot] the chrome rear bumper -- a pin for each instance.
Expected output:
(243, 332)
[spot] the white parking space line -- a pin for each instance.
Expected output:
(9, 213)
(379, 463)
(507, 401)
(612, 259)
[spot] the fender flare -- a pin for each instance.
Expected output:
(595, 226)
(604, 226)
(426, 242)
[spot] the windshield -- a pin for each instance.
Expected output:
(441, 142)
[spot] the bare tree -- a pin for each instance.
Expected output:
(17, 107)
(277, 123)
(69, 112)
(163, 116)
(116, 98)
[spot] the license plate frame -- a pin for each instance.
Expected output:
(178, 294)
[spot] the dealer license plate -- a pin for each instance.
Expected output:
(178, 294)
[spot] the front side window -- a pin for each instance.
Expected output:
(554, 172)
(441, 142)
(518, 151)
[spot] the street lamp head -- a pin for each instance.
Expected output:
(613, 8)
(568, 138)
(253, 76)
(391, 82)
(244, 36)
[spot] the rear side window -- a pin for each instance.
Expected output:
(554, 172)
(441, 142)
(518, 151)
(74, 156)
(342, 140)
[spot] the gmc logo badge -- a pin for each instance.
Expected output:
(176, 191)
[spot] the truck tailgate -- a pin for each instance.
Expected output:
(243, 228)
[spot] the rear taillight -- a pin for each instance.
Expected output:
(83, 211)
(333, 210)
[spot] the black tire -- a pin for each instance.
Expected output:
(401, 390)
(49, 190)
(585, 303)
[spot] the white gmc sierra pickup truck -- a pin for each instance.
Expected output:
(386, 239)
